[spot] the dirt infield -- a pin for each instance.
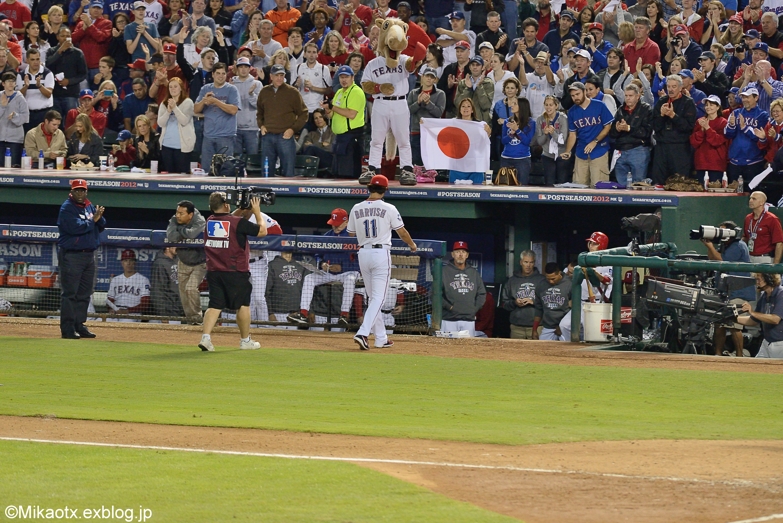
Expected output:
(637, 481)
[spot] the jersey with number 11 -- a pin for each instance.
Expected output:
(372, 221)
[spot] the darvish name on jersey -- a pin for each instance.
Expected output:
(368, 212)
(462, 283)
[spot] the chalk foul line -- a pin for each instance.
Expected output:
(736, 482)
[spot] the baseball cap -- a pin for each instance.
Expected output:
(277, 69)
(139, 5)
(686, 73)
(486, 45)
(542, 56)
(748, 92)
(404, 4)
(714, 99)
(344, 70)
(78, 183)
(96, 3)
(752, 33)
(761, 46)
(430, 71)
(138, 64)
(379, 180)
(576, 85)
(86, 93)
(584, 53)
(568, 14)
(124, 135)
(128, 254)
(572, 49)
(460, 246)
(707, 55)
(598, 26)
(734, 90)
(239, 51)
(478, 60)
(737, 18)
(339, 216)
(243, 61)
(680, 29)
(729, 46)
(462, 44)
(459, 15)
(169, 48)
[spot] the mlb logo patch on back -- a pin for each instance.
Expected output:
(218, 229)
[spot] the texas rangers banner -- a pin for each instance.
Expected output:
(453, 144)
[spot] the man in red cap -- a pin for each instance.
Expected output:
(97, 118)
(333, 266)
(463, 292)
(159, 89)
(683, 45)
(372, 222)
(80, 224)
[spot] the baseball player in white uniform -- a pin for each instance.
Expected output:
(129, 293)
(372, 222)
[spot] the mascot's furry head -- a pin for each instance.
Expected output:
(392, 41)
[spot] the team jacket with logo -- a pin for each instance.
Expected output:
(519, 286)
(463, 293)
(552, 303)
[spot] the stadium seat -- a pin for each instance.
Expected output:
(306, 166)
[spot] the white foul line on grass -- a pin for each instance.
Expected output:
(740, 483)
(762, 518)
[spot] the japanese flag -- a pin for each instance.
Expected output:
(454, 144)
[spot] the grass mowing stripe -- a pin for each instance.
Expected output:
(190, 487)
(383, 395)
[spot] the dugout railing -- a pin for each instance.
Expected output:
(30, 286)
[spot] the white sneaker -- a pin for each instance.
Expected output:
(249, 345)
(206, 345)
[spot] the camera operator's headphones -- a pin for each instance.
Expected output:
(769, 279)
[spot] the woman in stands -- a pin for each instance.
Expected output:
(466, 111)
(146, 143)
(734, 34)
(200, 39)
(517, 134)
(774, 130)
(502, 110)
(586, 17)
(319, 142)
(52, 25)
(498, 75)
(655, 14)
(177, 134)
(32, 38)
(716, 15)
(84, 144)
(107, 101)
(222, 17)
(333, 53)
(615, 77)
(433, 59)
(710, 145)
(167, 24)
(118, 50)
(252, 32)
(552, 135)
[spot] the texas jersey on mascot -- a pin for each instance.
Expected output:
(386, 79)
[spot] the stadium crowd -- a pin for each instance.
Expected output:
(644, 89)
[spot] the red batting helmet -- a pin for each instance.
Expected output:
(600, 238)
(379, 180)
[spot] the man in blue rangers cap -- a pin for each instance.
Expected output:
(80, 224)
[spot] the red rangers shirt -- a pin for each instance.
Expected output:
(763, 234)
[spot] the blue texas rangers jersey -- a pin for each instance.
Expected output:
(588, 124)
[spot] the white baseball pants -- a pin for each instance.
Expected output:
(259, 270)
(375, 265)
(314, 279)
(457, 326)
(394, 115)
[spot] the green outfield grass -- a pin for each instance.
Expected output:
(179, 486)
(382, 395)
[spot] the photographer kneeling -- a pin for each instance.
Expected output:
(731, 250)
(768, 312)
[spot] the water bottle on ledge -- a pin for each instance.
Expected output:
(740, 185)
(7, 157)
(706, 180)
(724, 181)
(266, 167)
(40, 159)
(629, 181)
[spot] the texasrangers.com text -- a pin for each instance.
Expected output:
(24, 512)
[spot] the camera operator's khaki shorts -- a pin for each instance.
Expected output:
(734, 325)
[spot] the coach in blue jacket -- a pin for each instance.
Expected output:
(80, 223)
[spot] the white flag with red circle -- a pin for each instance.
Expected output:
(454, 144)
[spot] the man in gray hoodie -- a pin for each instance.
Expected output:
(186, 225)
(463, 292)
(519, 296)
(552, 303)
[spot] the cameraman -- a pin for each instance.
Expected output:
(731, 250)
(771, 303)
(228, 266)
(682, 45)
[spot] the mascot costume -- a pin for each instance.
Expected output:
(386, 80)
